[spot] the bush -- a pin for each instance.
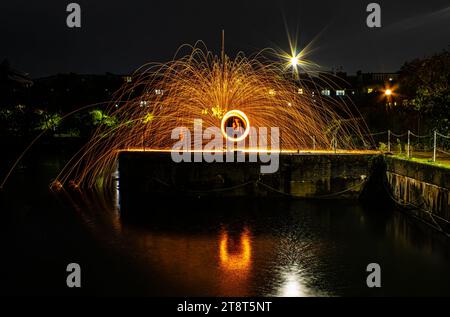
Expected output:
(382, 147)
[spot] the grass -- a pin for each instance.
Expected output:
(427, 161)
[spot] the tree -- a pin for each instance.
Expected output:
(48, 120)
(425, 82)
(100, 118)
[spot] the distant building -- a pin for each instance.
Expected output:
(13, 78)
(380, 77)
(339, 84)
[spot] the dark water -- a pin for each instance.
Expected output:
(233, 247)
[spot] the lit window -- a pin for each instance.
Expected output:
(300, 91)
(325, 92)
(340, 92)
(369, 90)
(159, 91)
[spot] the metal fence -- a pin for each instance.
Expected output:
(434, 146)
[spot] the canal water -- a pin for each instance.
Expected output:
(221, 247)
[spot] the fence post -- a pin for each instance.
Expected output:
(389, 140)
(334, 143)
(434, 146)
(407, 151)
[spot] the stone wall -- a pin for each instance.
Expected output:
(299, 175)
(422, 189)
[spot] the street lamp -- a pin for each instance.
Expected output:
(389, 94)
(294, 61)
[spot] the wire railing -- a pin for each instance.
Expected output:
(434, 146)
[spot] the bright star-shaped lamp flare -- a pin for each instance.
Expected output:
(294, 61)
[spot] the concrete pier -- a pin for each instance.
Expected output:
(299, 175)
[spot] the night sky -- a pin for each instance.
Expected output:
(119, 36)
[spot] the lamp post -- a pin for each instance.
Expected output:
(388, 94)
(408, 153)
(434, 145)
(389, 141)
(294, 61)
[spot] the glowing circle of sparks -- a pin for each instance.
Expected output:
(242, 116)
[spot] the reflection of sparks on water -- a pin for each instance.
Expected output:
(292, 286)
(237, 260)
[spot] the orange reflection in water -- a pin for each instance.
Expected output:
(239, 259)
